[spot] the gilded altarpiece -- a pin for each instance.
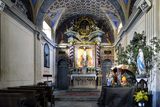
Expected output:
(84, 35)
(84, 56)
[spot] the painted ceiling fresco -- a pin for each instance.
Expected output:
(110, 13)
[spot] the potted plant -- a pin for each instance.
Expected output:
(129, 54)
(141, 97)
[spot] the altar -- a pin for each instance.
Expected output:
(84, 38)
(83, 74)
(83, 80)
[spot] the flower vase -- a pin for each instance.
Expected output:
(141, 104)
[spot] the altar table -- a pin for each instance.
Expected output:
(83, 80)
(83, 75)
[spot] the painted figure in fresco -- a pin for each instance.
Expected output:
(140, 62)
(82, 61)
(85, 59)
(88, 60)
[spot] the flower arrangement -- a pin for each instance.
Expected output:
(141, 96)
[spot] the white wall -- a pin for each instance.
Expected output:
(138, 26)
(146, 22)
(17, 53)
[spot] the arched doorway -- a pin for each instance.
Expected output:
(106, 66)
(62, 79)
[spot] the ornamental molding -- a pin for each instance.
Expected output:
(144, 5)
(2, 5)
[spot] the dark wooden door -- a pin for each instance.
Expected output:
(62, 79)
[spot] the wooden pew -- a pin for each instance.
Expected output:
(49, 92)
(18, 98)
(39, 91)
(44, 91)
(48, 89)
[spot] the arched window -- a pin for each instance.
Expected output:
(46, 55)
(47, 30)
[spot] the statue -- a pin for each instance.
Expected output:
(140, 63)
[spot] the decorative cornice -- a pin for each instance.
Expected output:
(144, 5)
(9, 3)
(43, 36)
(2, 5)
(141, 6)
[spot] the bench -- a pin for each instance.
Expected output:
(18, 98)
(45, 93)
(48, 89)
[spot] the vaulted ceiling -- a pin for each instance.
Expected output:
(99, 9)
(113, 12)
(56, 12)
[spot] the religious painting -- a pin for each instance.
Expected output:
(85, 57)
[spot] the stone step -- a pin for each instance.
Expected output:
(77, 95)
(84, 90)
(76, 98)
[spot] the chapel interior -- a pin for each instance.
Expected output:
(79, 53)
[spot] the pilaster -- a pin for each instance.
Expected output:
(37, 57)
(152, 30)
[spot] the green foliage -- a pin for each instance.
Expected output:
(155, 42)
(131, 51)
(122, 57)
(141, 96)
